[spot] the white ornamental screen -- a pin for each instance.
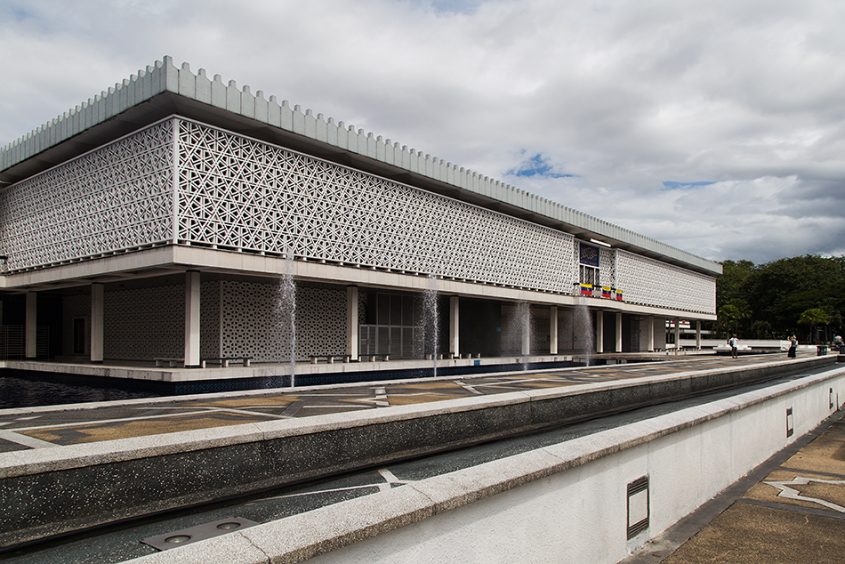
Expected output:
(253, 325)
(651, 282)
(114, 198)
(243, 194)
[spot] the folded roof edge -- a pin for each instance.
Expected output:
(164, 77)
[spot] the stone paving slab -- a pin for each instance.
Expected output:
(63, 425)
(795, 514)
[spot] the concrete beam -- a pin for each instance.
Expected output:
(599, 331)
(192, 318)
(149, 262)
(97, 314)
(618, 347)
(454, 326)
(352, 346)
(650, 324)
(31, 325)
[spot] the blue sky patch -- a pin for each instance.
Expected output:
(537, 165)
(453, 6)
(676, 185)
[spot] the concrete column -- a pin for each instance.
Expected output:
(553, 330)
(650, 324)
(698, 334)
(454, 326)
(31, 325)
(525, 323)
(599, 331)
(677, 333)
(97, 310)
(352, 322)
(618, 332)
(192, 318)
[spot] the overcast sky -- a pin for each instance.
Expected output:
(717, 127)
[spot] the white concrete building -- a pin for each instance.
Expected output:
(155, 220)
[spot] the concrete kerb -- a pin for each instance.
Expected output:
(303, 536)
(254, 457)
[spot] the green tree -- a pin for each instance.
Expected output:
(762, 330)
(814, 317)
(780, 291)
(731, 317)
(731, 286)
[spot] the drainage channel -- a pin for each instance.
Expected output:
(117, 543)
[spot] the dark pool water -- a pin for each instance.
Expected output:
(26, 392)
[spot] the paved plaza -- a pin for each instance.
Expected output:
(39, 427)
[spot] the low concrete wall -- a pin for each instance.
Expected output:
(56, 490)
(563, 503)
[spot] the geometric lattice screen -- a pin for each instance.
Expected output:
(239, 193)
(117, 197)
(651, 282)
(252, 324)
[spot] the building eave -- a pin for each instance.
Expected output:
(163, 89)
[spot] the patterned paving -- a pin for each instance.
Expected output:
(150, 417)
(795, 514)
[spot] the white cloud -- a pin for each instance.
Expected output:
(625, 95)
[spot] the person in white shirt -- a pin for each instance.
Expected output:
(733, 342)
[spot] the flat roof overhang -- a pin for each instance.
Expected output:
(47, 148)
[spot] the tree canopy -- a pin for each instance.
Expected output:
(803, 295)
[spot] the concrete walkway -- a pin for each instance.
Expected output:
(790, 509)
(49, 426)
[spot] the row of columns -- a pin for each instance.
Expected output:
(192, 325)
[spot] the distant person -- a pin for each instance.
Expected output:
(793, 346)
(837, 343)
(733, 342)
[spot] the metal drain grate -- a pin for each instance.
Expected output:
(197, 533)
(790, 422)
(638, 507)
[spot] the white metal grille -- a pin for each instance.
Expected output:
(252, 325)
(114, 198)
(651, 282)
(243, 194)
